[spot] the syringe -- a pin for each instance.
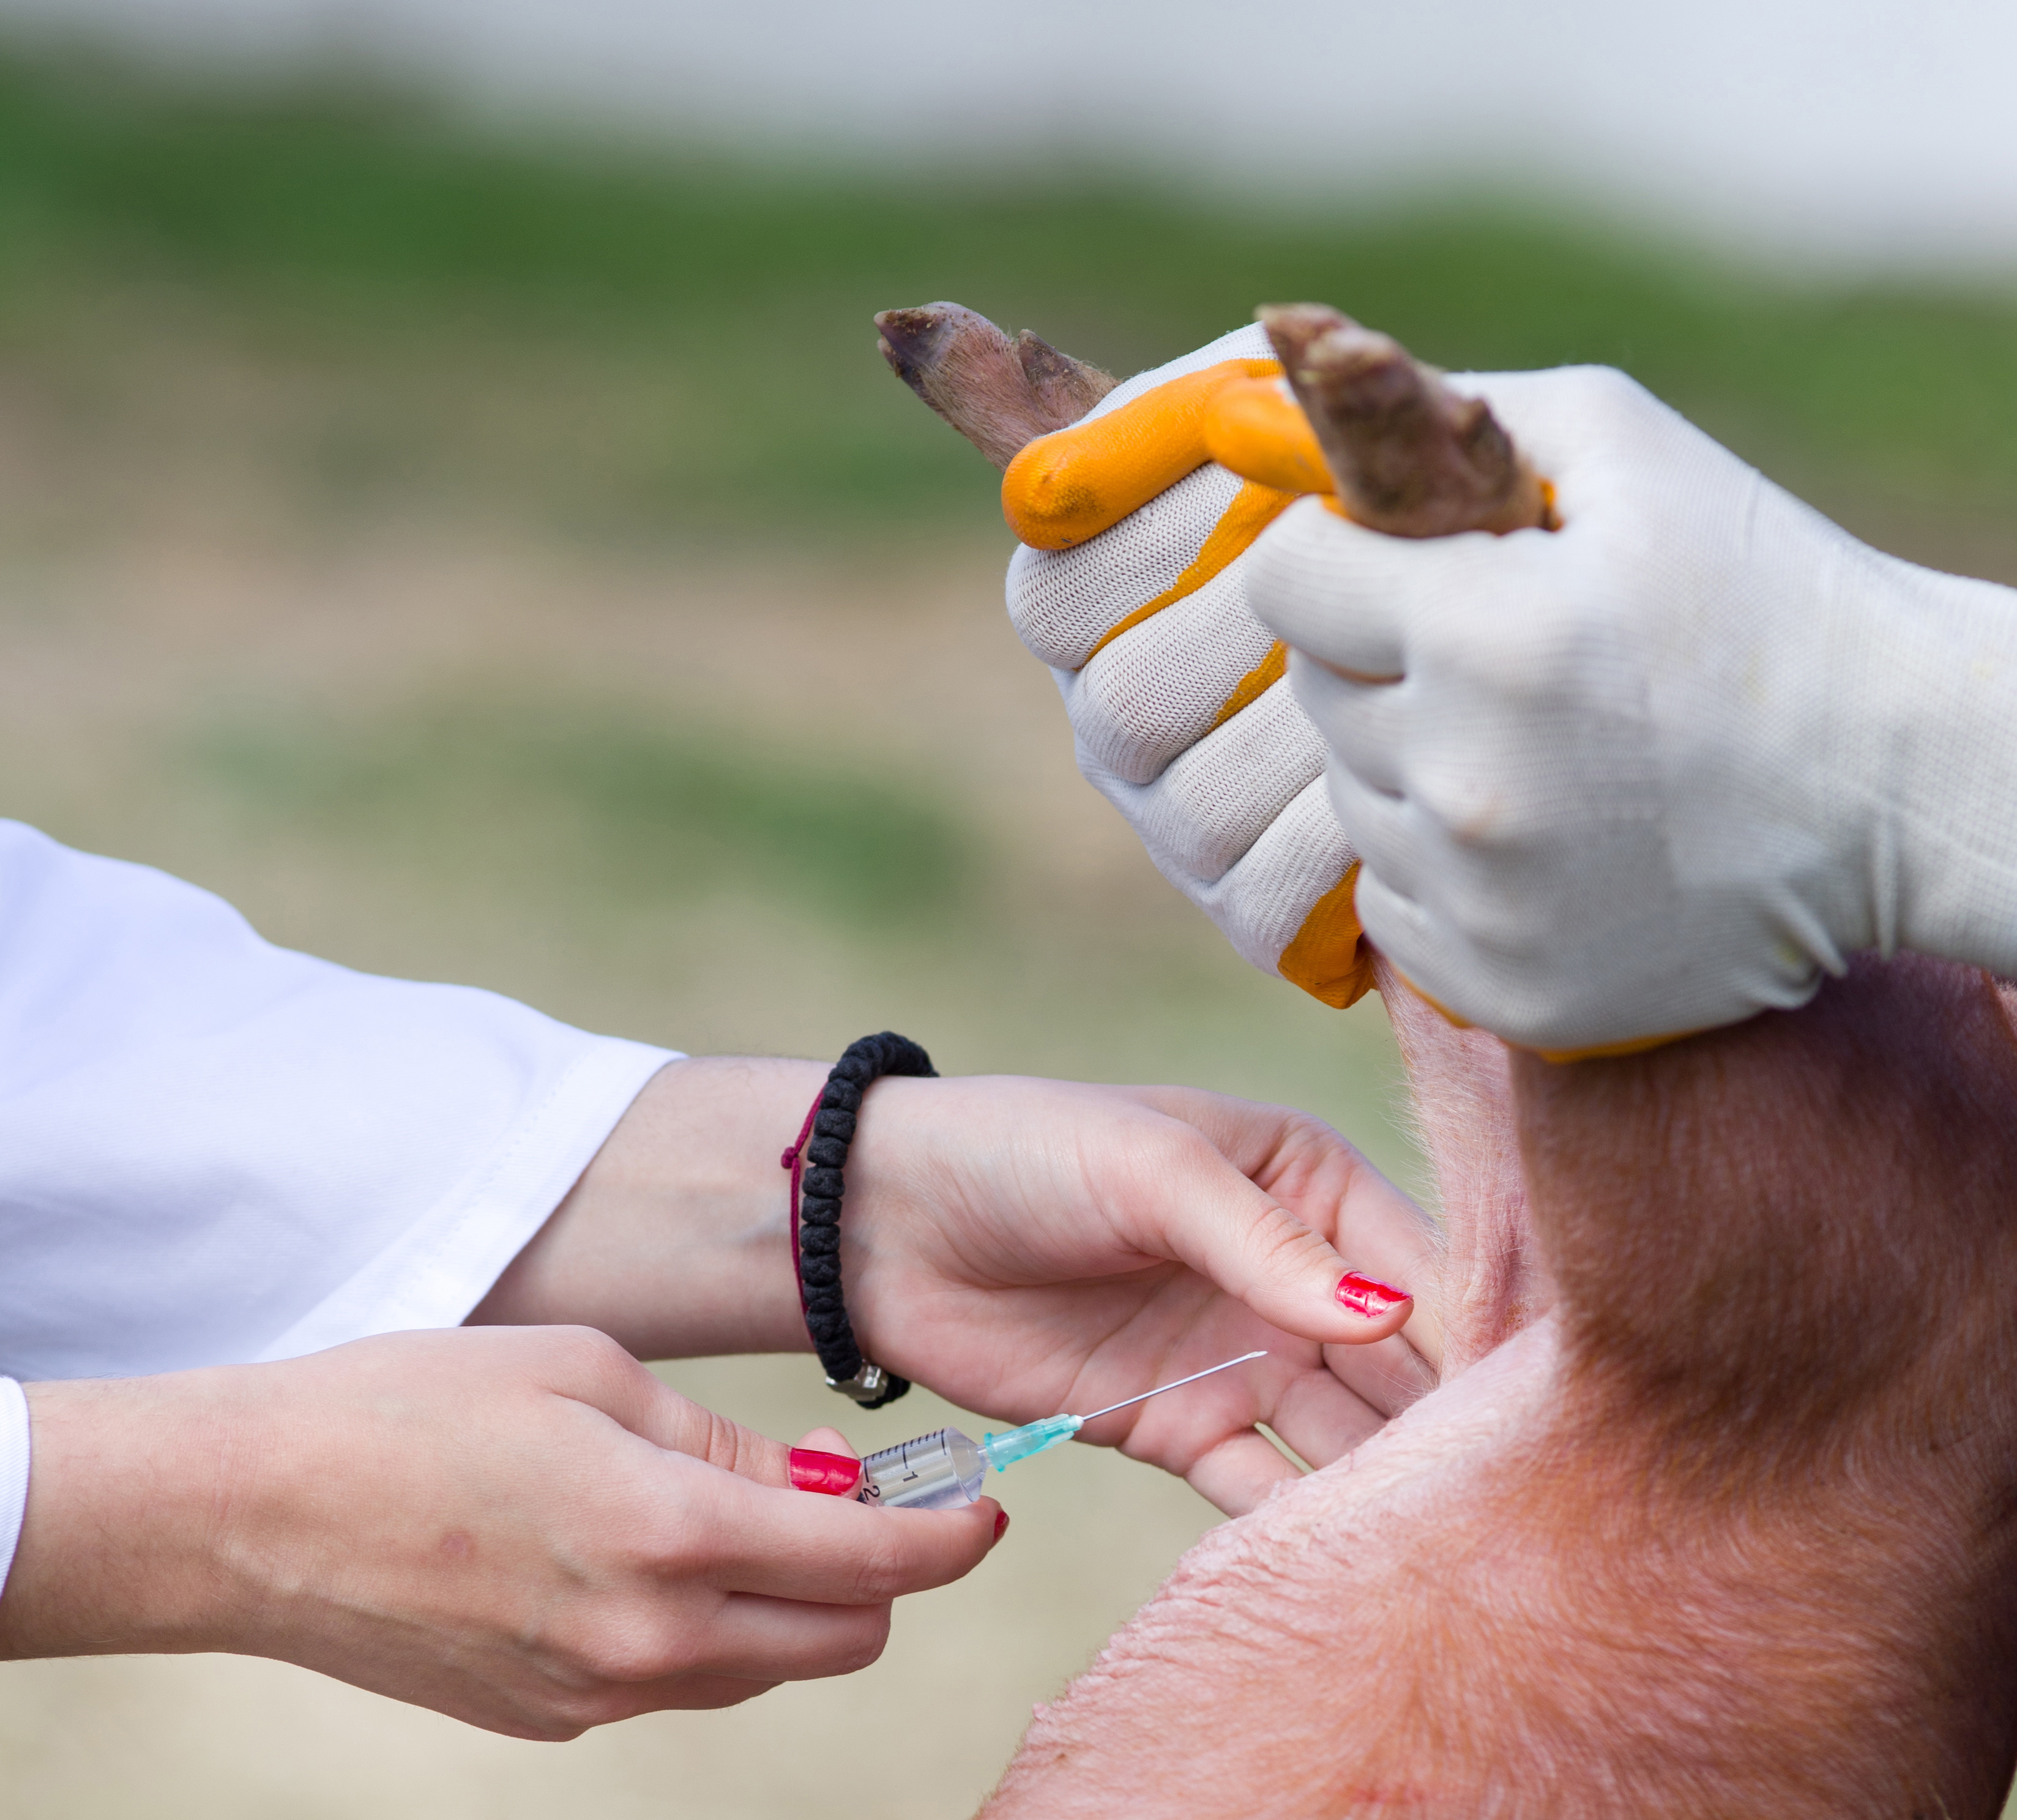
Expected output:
(944, 1470)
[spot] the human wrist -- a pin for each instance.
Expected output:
(676, 1241)
(914, 1197)
(117, 1551)
(816, 1160)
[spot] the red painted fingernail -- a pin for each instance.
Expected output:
(1368, 1296)
(1001, 1524)
(834, 1474)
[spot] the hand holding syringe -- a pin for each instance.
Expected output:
(944, 1469)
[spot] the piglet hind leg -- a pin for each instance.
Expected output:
(998, 391)
(1729, 1533)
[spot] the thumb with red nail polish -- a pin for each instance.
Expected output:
(828, 1466)
(836, 1475)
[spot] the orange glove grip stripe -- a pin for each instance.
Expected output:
(1251, 428)
(1254, 509)
(1636, 1045)
(1074, 483)
(1442, 1011)
(1328, 958)
(1262, 677)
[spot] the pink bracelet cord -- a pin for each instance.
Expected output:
(794, 1160)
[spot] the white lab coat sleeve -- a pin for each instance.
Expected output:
(214, 1150)
(13, 1470)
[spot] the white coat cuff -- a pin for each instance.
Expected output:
(446, 1262)
(13, 1472)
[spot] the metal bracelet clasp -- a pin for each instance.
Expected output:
(870, 1382)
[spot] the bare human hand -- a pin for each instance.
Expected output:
(1027, 1246)
(521, 1528)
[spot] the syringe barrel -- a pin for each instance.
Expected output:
(938, 1472)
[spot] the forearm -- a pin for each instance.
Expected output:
(676, 1241)
(131, 1476)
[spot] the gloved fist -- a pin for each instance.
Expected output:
(1180, 712)
(1663, 768)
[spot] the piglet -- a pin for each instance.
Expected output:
(1710, 1514)
(1727, 1533)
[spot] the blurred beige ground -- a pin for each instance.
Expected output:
(220, 697)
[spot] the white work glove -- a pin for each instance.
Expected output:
(1230, 804)
(1666, 766)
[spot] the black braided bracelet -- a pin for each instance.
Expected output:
(815, 1162)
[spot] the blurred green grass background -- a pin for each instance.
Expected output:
(627, 342)
(503, 558)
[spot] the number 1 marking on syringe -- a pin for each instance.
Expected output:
(1177, 1385)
